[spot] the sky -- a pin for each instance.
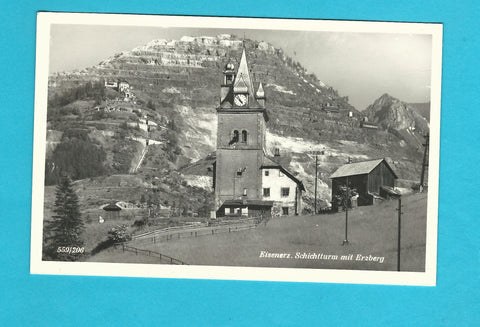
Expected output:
(362, 66)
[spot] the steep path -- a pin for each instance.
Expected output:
(137, 163)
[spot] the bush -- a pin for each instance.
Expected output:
(119, 234)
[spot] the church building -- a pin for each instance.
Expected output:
(246, 181)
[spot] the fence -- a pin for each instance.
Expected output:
(163, 257)
(171, 233)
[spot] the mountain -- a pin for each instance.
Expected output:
(168, 93)
(422, 108)
(400, 118)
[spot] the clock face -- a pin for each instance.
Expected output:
(240, 100)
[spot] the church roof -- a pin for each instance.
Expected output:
(243, 83)
(260, 91)
(243, 75)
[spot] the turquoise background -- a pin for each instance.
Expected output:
(27, 300)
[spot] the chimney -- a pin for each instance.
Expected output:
(349, 160)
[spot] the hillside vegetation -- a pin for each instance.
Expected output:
(94, 132)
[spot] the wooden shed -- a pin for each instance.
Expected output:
(113, 210)
(368, 178)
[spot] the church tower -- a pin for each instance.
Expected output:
(240, 143)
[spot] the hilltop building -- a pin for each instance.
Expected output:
(372, 180)
(123, 86)
(366, 124)
(246, 181)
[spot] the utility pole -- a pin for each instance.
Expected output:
(399, 209)
(345, 241)
(316, 178)
(425, 160)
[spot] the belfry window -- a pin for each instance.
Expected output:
(244, 136)
(234, 138)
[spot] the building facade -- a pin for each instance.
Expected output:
(371, 179)
(240, 155)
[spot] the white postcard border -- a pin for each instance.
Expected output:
(37, 266)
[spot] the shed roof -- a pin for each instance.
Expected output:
(248, 202)
(359, 168)
(112, 207)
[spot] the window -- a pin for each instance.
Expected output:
(244, 191)
(285, 211)
(285, 191)
(266, 191)
(244, 136)
(232, 210)
(267, 173)
(235, 136)
(239, 173)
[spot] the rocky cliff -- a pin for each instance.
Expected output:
(399, 118)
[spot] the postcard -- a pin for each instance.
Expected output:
(236, 148)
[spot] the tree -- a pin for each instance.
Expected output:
(343, 197)
(151, 105)
(62, 235)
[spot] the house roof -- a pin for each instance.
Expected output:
(247, 202)
(269, 163)
(112, 207)
(359, 168)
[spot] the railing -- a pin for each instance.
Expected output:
(168, 229)
(150, 253)
(179, 232)
(252, 220)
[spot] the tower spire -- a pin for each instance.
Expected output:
(243, 82)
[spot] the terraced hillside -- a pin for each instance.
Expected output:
(176, 86)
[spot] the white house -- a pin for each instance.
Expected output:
(111, 84)
(281, 187)
(123, 86)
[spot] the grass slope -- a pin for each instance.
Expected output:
(372, 231)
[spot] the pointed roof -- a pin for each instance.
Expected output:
(241, 85)
(359, 168)
(243, 79)
(260, 91)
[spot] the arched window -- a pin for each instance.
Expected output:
(234, 138)
(244, 136)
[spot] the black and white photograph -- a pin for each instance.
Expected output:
(236, 148)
